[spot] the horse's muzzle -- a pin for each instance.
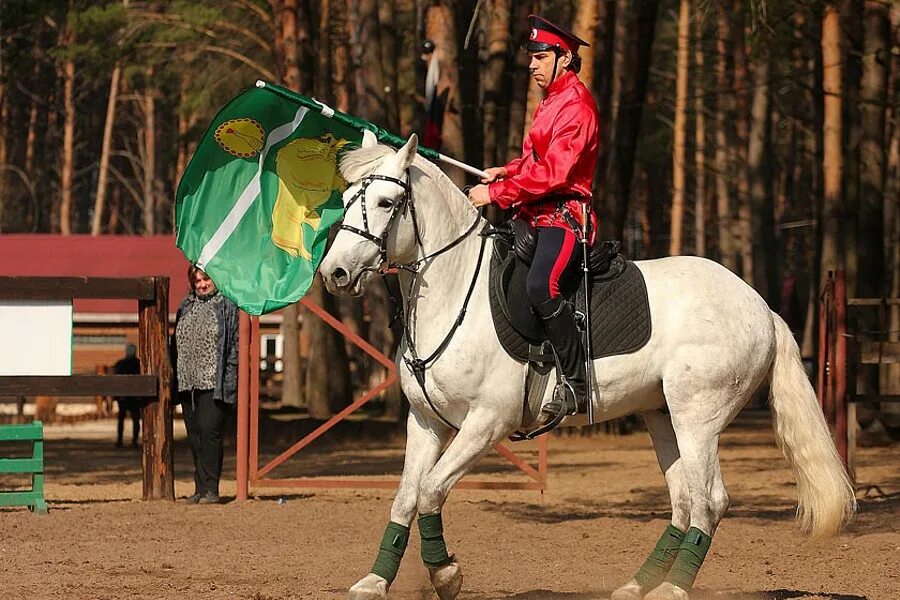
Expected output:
(339, 281)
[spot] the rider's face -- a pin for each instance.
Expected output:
(541, 66)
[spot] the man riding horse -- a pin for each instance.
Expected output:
(549, 186)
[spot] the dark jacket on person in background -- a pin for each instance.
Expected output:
(227, 349)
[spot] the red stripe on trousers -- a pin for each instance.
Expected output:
(565, 254)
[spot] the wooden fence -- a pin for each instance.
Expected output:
(154, 382)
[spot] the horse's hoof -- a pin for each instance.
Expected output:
(629, 591)
(370, 587)
(667, 591)
(447, 580)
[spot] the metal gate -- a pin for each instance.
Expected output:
(251, 473)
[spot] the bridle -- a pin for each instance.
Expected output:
(400, 208)
(416, 364)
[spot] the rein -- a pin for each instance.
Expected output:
(417, 365)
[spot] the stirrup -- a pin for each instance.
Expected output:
(564, 405)
(520, 436)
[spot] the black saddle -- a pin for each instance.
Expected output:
(620, 309)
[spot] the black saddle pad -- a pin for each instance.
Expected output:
(620, 309)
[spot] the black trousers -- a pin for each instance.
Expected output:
(204, 419)
(557, 259)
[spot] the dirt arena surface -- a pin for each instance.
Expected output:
(605, 508)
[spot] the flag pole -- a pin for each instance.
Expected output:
(360, 125)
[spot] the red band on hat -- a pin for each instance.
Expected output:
(542, 36)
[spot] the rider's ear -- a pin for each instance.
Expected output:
(407, 153)
(369, 140)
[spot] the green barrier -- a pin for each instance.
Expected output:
(33, 498)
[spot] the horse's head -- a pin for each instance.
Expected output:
(377, 227)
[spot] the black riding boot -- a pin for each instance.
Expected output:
(559, 323)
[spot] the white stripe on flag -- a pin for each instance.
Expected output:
(249, 195)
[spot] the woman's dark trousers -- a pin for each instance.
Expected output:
(204, 419)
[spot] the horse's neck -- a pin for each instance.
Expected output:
(433, 297)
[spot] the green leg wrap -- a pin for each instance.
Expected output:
(393, 545)
(657, 565)
(690, 556)
(434, 549)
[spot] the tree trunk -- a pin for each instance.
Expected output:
(343, 97)
(328, 387)
(408, 61)
(679, 153)
(324, 83)
(585, 26)
(149, 183)
(763, 260)
(724, 140)
(306, 56)
(183, 129)
(115, 207)
(832, 256)
(632, 65)
(4, 127)
(699, 141)
(890, 382)
(498, 17)
(440, 27)
(518, 103)
(812, 36)
(602, 90)
(370, 96)
(292, 382)
(870, 278)
(291, 74)
(388, 44)
(67, 173)
(851, 70)
(742, 105)
(100, 198)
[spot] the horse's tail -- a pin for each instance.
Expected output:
(826, 498)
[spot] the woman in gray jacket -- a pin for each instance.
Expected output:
(205, 362)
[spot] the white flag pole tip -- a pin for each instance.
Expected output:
(260, 83)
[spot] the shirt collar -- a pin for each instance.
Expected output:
(560, 83)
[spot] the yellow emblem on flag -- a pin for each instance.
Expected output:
(307, 175)
(243, 138)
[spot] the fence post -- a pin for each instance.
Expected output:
(153, 351)
(243, 407)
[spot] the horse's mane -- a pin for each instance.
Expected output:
(360, 162)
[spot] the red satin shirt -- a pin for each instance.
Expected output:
(559, 156)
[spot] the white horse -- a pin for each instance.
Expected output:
(714, 341)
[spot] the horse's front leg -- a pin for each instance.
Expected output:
(479, 433)
(424, 441)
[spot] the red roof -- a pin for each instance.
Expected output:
(100, 256)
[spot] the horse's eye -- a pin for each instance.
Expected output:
(385, 203)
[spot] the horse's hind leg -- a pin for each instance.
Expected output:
(657, 565)
(698, 440)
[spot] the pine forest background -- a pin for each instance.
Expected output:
(764, 134)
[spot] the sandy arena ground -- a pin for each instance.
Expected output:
(606, 506)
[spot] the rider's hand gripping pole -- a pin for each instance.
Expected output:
(586, 278)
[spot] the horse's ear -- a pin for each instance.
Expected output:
(369, 140)
(407, 153)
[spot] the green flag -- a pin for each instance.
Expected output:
(255, 203)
